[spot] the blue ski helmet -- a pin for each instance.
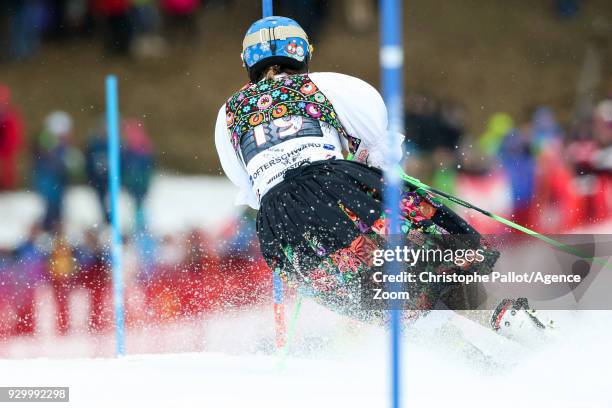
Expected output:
(275, 41)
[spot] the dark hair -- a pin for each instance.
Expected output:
(273, 70)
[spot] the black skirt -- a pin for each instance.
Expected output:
(319, 227)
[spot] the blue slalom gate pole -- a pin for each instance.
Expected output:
(114, 182)
(267, 8)
(279, 311)
(391, 61)
(277, 284)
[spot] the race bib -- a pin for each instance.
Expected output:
(268, 135)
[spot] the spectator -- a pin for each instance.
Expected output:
(147, 21)
(57, 18)
(582, 150)
(24, 29)
(11, 139)
(96, 167)
(545, 129)
(432, 133)
(55, 160)
(7, 294)
(451, 127)
(602, 160)
(61, 272)
(78, 16)
(94, 275)
(555, 199)
(118, 17)
(518, 162)
(163, 302)
(360, 14)
(567, 9)
(602, 124)
(181, 19)
(422, 124)
(30, 268)
(498, 127)
(137, 165)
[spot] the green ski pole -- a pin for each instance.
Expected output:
(563, 247)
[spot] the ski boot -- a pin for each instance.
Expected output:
(515, 320)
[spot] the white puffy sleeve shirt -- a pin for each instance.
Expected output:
(361, 111)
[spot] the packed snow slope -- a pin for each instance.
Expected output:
(339, 364)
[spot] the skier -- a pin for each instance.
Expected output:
(307, 150)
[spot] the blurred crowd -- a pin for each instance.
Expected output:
(556, 178)
(127, 26)
(147, 27)
(57, 161)
(166, 278)
(140, 27)
(173, 275)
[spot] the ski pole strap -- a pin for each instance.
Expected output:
(561, 246)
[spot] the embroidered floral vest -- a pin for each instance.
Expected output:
(294, 95)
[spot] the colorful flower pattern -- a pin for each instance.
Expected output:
(346, 261)
(279, 111)
(308, 88)
(271, 99)
(313, 110)
(264, 101)
(364, 248)
(336, 279)
(256, 119)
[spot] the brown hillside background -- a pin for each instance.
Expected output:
(489, 55)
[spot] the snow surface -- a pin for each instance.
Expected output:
(346, 368)
(229, 360)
